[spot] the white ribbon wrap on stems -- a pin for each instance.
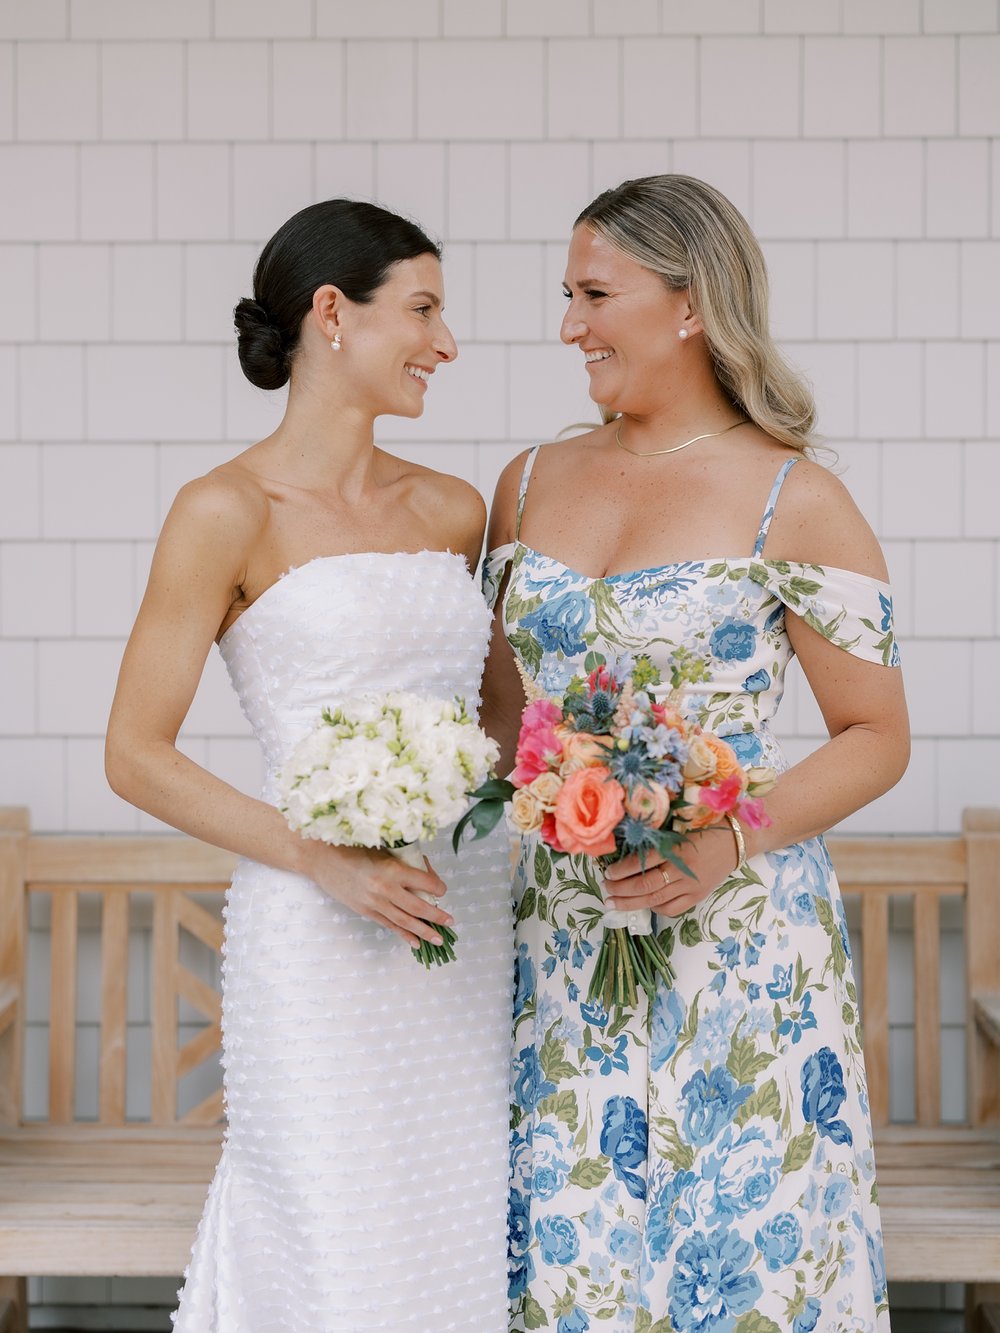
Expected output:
(411, 855)
(639, 922)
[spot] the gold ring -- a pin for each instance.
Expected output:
(667, 881)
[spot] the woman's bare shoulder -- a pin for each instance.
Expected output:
(817, 521)
(226, 507)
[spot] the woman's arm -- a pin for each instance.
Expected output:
(503, 692)
(862, 703)
(198, 569)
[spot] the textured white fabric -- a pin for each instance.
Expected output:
(364, 1176)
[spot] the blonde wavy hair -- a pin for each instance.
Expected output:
(692, 236)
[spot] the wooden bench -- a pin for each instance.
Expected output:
(112, 1197)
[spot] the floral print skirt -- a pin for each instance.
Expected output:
(705, 1164)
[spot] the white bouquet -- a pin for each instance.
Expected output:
(385, 770)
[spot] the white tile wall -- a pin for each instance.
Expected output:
(147, 150)
(142, 90)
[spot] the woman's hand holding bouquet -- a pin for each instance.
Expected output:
(384, 771)
(609, 771)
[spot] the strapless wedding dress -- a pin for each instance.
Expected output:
(363, 1181)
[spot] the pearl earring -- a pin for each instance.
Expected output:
(683, 333)
(335, 342)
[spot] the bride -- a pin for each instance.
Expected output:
(362, 1184)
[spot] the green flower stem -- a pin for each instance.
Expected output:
(434, 955)
(624, 963)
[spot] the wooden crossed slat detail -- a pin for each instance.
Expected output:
(173, 911)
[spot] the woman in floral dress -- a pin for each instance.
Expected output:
(702, 1164)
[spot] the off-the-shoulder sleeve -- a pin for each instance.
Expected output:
(495, 566)
(852, 610)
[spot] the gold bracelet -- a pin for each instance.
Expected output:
(741, 844)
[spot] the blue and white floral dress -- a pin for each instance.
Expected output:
(704, 1166)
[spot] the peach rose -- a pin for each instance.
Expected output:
(727, 765)
(545, 788)
(526, 811)
(701, 761)
(582, 750)
(692, 814)
(587, 809)
(650, 804)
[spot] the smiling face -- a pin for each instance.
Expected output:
(627, 323)
(393, 345)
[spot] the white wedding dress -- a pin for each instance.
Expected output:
(363, 1181)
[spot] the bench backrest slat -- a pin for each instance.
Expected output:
(982, 960)
(13, 945)
(114, 1001)
(164, 1008)
(927, 1006)
(875, 990)
(62, 1007)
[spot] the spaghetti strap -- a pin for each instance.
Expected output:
(529, 463)
(772, 500)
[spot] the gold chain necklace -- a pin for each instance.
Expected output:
(655, 453)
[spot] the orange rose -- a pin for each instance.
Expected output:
(650, 804)
(587, 809)
(582, 750)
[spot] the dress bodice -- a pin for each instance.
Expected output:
(730, 612)
(343, 625)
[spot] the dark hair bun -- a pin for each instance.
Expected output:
(260, 344)
(344, 242)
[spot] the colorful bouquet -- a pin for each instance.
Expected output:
(610, 771)
(385, 771)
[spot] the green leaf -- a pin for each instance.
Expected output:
(671, 1144)
(565, 1303)
(593, 660)
(534, 1315)
(663, 1326)
(527, 904)
(717, 570)
(690, 931)
(529, 650)
(589, 1172)
(561, 1106)
(764, 1103)
(495, 789)
(745, 1062)
(553, 1060)
(798, 1151)
(805, 587)
(618, 1025)
(755, 1322)
(643, 1320)
(543, 867)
